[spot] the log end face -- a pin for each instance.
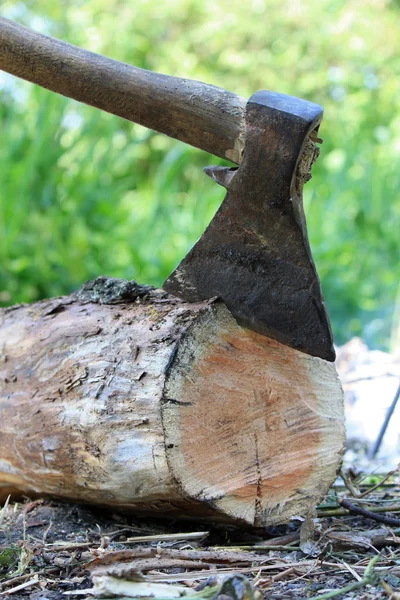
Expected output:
(258, 430)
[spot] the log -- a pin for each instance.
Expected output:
(124, 396)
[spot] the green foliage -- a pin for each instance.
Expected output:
(84, 193)
(9, 557)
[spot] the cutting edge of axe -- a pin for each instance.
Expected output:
(256, 246)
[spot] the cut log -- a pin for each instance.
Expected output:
(124, 396)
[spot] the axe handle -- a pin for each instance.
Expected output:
(201, 115)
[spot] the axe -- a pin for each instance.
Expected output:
(254, 255)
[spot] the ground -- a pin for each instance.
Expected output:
(52, 548)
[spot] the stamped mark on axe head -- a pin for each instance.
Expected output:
(255, 254)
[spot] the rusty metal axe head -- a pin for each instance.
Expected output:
(255, 254)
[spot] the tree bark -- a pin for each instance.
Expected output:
(125, 396)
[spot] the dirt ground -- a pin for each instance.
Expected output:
(48, 548)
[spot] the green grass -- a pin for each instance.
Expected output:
(84, 193)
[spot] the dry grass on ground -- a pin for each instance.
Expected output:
(49, 548)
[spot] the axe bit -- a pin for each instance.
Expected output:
(254, 255)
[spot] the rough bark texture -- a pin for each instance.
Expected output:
(150, 403)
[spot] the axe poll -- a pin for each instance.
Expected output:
(255, 254)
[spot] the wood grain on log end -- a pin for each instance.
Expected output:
(159, 405)
(260, 433)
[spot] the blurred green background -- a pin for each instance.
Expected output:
(84, 193)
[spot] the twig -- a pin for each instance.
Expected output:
(196, 535)
(279, 566)
(350, 569)
(21, 578)
(283, 540)
(367, 579)
(204, 574)
(378, 485)
(390, 591)
(263, 583)
(283, 574)
(257, 548)
(342, 512)
(349, 484)
(378, 502)
(68, 547)
(4, 510)
(22, 586)
(349, 588)
(375, 448)
(358, 510)
(46, 533)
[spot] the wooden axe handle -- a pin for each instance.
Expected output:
(201, 115)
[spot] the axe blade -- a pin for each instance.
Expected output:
(255, 255)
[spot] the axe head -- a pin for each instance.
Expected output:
(255, 254)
